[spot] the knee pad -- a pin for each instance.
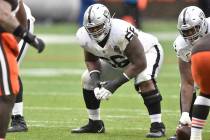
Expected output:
(151, 97)
(87, 83)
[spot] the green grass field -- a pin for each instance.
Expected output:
(53, 102)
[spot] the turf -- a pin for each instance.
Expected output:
(54, 104)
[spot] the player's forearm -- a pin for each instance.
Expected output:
(130, 72)
(134, 69)
(186, 97)
(113, 85)
(94, 71)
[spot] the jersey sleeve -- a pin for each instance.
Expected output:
(129, 34)
(81, 36)
(123, 33)
(182, 50)
(175, 48)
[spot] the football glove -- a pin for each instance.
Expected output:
(34, 41)
(102, 93)
(185, 119)
(31, 39)
(107, 88)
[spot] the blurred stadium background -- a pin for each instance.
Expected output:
(68, 10)
(53, 102)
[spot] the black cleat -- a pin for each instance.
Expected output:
(93, 126)
(172, 137)
(18, 124)
(156, 130)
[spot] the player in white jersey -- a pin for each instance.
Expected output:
(18, 123)
(115, 52)
(192, 25)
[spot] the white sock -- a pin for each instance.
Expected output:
(155, 118)
(196, 134)
(94, 114)
(18, 109)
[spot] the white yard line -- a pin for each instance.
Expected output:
(104, 109)
(58, 39)
(48, 72)
(72, 124)
(41, 125)
(71, 39)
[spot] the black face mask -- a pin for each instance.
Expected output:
(190, 32)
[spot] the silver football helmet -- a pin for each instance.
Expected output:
(192, 24)
(97, 21)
